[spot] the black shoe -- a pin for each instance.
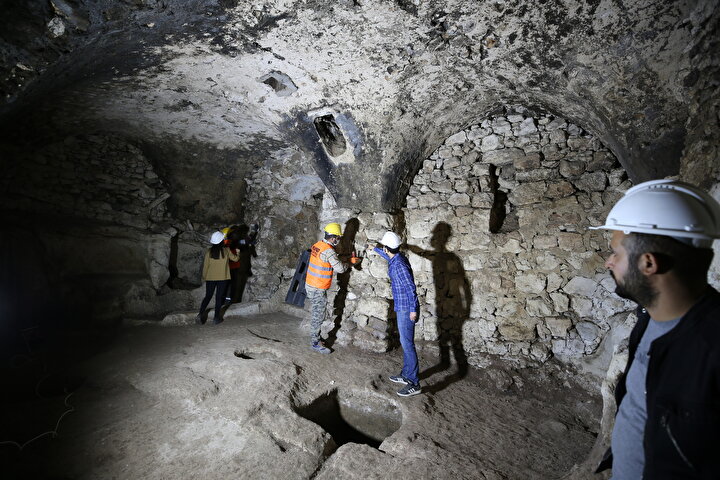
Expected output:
(199, 320)
(217, 321)
(410, 390)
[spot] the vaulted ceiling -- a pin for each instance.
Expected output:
(366, 88)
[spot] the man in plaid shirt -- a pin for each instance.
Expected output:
(406, 308)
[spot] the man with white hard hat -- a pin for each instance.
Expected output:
(668, 419)
(406, 307)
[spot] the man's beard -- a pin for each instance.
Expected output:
(635, 287)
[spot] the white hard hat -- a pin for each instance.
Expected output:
(217, 237)
(669, 208)
(391, 240)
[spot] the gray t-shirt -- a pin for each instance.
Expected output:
(627, 435)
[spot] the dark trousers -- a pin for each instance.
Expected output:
(210, 286)
(231, 295)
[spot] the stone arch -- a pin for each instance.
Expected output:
(537, 281)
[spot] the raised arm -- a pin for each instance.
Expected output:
(420, 251)
(381, 253)
(331, 256)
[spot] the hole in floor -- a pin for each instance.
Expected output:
(353, 418)
(251, 355)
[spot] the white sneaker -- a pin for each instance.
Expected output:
(398, 379)
(320, 348)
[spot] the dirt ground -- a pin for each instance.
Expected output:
(249, 399)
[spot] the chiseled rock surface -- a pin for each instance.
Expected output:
(238, 82)
(224, 401)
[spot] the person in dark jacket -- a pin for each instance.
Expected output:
(232, 241)
(668, 421)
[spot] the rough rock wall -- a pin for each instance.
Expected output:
(105, 242)
(284, 197)
(700, 163)
(99, 210)
(98, 178)
(701, 157)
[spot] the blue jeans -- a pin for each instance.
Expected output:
(406, 328)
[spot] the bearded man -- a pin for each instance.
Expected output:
(668, 419)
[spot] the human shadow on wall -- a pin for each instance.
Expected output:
(453, 298)
(344, 250)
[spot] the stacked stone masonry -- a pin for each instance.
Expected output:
(359, 305)
(89, 177)
(496, 231)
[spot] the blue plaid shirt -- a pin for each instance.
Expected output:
(402, 282)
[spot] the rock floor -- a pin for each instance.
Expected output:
(233, 401)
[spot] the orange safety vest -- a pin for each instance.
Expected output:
(319, 273)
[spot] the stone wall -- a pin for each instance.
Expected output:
(496, 231)
(360, 311)
(497, 225)
(97, 178)
(96, 212)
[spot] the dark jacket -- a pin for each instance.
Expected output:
(682, 432)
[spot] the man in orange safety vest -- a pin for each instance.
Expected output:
(324, 261)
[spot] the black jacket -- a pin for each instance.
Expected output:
(682, 433)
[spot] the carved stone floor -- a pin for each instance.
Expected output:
(249, 399)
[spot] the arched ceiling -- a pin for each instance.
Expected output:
(239, 82)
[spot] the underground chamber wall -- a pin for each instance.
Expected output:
(518, 191)
(352, 418)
